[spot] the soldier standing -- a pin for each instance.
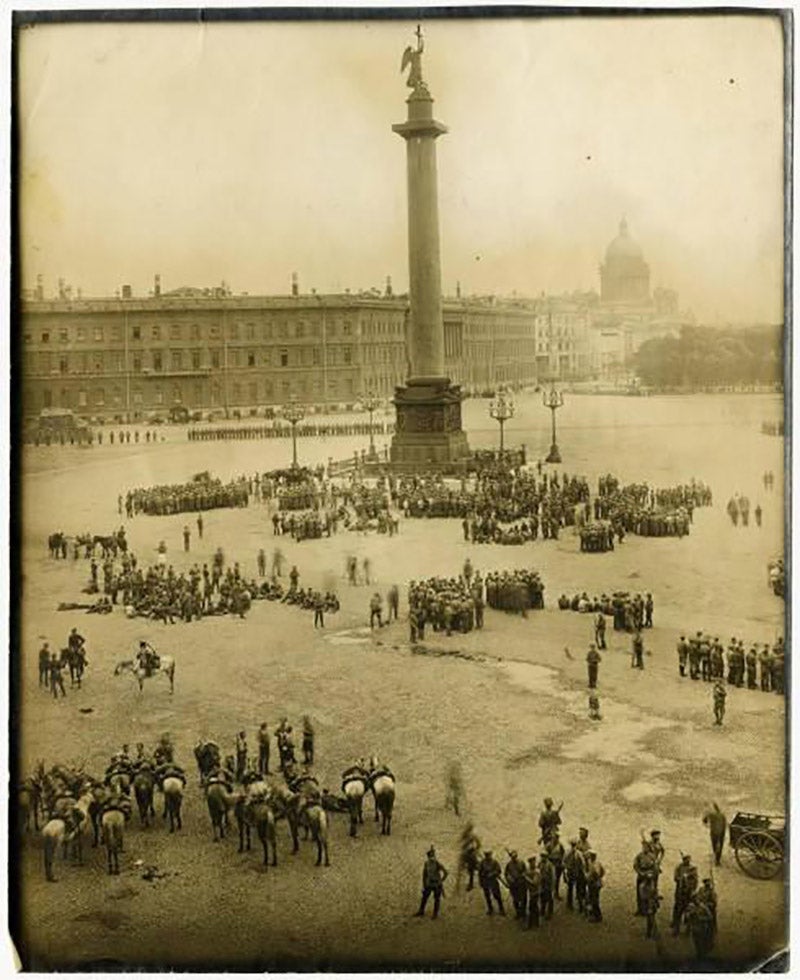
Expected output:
(375, 604)
(593, 658)
(515, 879)
(637, 658)
(547, 888)
(555, 855)
(433, 878)
(751, 660)
(44, 665)
(308, 741)
(393, 602)
(261, 562)
(571, 860)
(468, 858)
(56, 678)
(765, 666)
(489, 872)
(241, 755)
(600, 631)
(533, 882)
(263, 749)
(186, 537)
(648, 611)
(549, 820)
(683, 654)
(720, 693)
(716, 823)
(685, 887)
(595, 872)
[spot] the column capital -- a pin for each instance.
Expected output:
(419, 127)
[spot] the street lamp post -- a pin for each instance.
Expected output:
(553, 400)
(501, 409)
(293, 413)
(370, 401)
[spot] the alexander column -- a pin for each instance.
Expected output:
(428, 427)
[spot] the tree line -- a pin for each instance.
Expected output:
(702, 356)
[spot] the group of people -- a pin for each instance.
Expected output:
(515, 591)
(648, 511)
(446, 604)
(739, 509)
(197, 495)
(629, 612)
(706, 658)
(282, 430)
(306, 525)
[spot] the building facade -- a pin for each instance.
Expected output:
(131, 357)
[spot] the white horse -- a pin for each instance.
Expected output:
(166, 667)
(383, 789)
(354, 785)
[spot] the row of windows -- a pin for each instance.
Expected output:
(185, 360)
(237, 330)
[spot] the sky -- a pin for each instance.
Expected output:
(246, 152)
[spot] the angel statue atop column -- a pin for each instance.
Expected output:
(414, 58)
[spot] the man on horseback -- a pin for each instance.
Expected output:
(147, 658)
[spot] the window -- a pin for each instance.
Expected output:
(267, 390)
(63, 364)
(282, 330)
(177, 395)
(233, 331)
(198, 393)
(284, 357)
(137, 396)
(100, 396)
(159, 396)
(156, 332)
(157, 363)
(233, 358)
(237, 392)
(251, 358)
(315, 356)
(267, 331)
(214, 331)
(97, 361)
(116, 396)
(176, 360)
(47, 398)
(82, 398)
(300, 329)
(215, 359)
(195, 331)
(196, 360)
(347, 353)
(136, 332)
(119, 362)
(63, 335)
(98, 333)
(84, 362)
(347, 328)
(137, 363)
(27, 336)
(44, 363)
(175, 331)
(251, 331)
(116, 332)
(215, 393)
(45, 336)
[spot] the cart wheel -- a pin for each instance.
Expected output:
(759, 854)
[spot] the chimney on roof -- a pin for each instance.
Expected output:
(295, 287)
(388, 286)
(156, 285)
(127, 292)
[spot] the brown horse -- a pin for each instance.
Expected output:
(28, 801)
(112, 827)
(315, 819)
(219, 802)
(143, 787)
(172, 789)
(256, 813)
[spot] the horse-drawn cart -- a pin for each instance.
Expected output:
(758, 841)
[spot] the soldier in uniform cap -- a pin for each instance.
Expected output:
(489, 873)
(683, 654)
(433, 877)
(549, 820)
(720, 694)
(685, 887)
(533, 882)
(515, 879)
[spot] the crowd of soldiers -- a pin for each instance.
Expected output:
(309, 524)
(197, 495)
(299, 496)
(515, 591)
(648, 511)
(487, 530)
(598, 536)
(629, 612)
(278, 430)
(446, 604)
(706, 658)
(535, 885)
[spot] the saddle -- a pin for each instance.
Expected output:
(382, 771)
(354, 773)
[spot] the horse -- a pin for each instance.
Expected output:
(108, 544)
(286, 804)
(28, 801)
(256, 812)
(143, 786)
(383, 789)
(54, 833)
(166, 667)
(219, 802)
(208, 758)
(112, 826)
(354, 786)
(315, 819)
(76, 661)
(54, 542)
(172, 788)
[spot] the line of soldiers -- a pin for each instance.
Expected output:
(284, 431)
(647, 511)
(307, 525)
(182, 498)
(707, 660)
(629, 612)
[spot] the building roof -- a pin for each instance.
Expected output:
(623, 246)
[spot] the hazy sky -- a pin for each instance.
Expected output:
(245, 152)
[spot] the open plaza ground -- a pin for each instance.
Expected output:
(508, 702)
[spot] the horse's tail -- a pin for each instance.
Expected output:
(114, 836)
(384, 797)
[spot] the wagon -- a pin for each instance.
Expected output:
(758, 841)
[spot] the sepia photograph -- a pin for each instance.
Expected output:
(399, 489)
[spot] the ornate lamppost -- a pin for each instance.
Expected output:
(293, 413)
(370, 401)
(553, 400)
(501, 409)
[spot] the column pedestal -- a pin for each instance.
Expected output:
(428, 431)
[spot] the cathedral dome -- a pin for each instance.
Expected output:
(623, 246)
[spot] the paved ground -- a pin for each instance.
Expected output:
(506, 702)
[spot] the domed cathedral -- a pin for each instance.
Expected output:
(625, 276)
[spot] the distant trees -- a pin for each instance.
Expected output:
(703, 356)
